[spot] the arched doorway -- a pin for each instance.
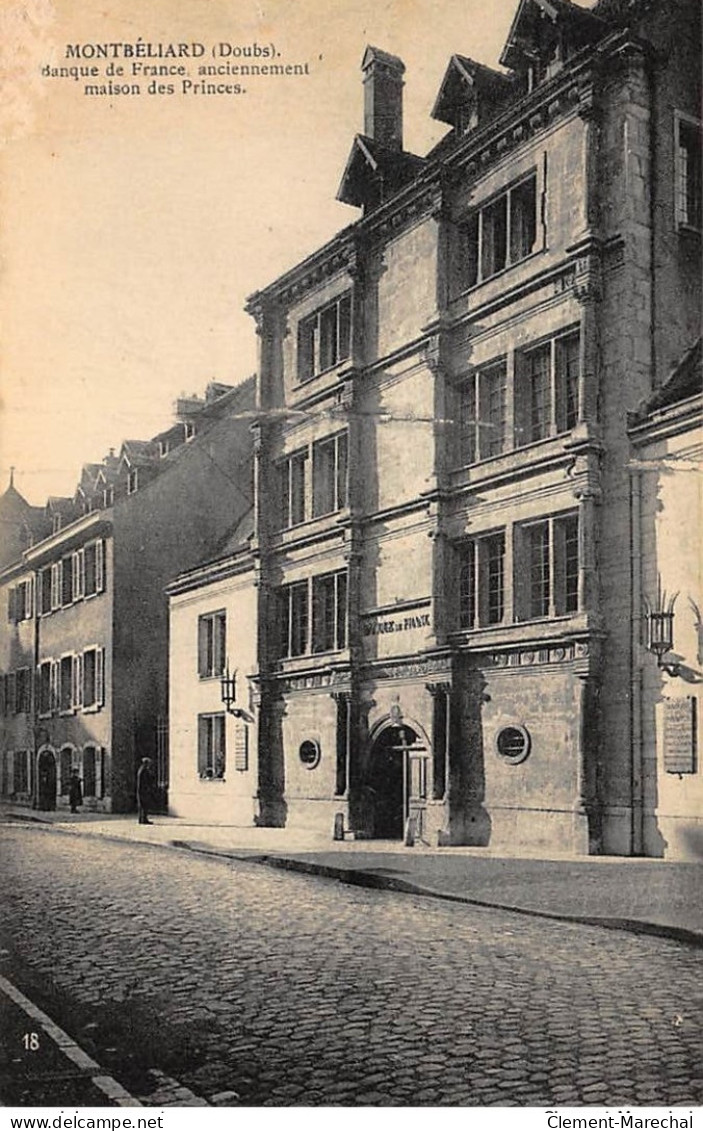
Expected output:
(389, 781)
(46, 780)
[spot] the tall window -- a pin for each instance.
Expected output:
(67, 580)
(299, 499)
(93, 678)
(324, 338)
(93, 569)
(292, 488)
(482, 413)
(503, 231)
(482, 581)
(329, 612)
(89, 771)
(329, 474)
(65, 767)
(21, 771)
(45, 704)
(20, 601)
(23, 691)
(212, 645)
(326, 630)
(45, 588)
(547, 389)
(547, 567)
(689, 143)
(66, 683)
(212, 753)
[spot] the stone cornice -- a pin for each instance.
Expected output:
(220, 570)
(573, 90)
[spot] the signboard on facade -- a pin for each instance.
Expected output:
(381, 624)
(389, 632)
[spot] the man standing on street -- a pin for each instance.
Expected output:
(144, 789)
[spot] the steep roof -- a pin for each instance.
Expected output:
(685, 380)
(20, 524)
(463, 78)
(374, 172)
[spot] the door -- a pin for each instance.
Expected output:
(388, 782)
(46, 781)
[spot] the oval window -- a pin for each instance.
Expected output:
(513, 744)
(309, 753)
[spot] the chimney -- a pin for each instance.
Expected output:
(383, 98)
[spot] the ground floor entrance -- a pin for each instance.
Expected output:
(396, 781)
(46, 780)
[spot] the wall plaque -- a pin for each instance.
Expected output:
(241, 747)
(680, 735)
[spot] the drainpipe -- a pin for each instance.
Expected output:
(636, 752)
(34, 716)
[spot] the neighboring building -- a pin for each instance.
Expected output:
(214, 745)
(442, 530)
(667, 440)
(84, 646)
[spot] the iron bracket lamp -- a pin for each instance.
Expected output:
(228, 694)
(660, 629)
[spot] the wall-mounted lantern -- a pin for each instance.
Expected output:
(228, 694)
(228, 688)
(660, 628)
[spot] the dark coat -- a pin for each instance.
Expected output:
(144, 785)
(75, 791)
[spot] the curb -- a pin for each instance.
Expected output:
(357, 877)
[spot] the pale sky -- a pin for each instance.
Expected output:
(134, 228)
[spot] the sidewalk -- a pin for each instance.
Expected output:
(641, 895)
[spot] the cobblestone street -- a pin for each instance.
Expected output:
(253, 986)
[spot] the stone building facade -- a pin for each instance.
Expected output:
(214, 743)
(84, 629)
(442, 538)
(667, 443)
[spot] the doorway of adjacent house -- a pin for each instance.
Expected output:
(389, 781)
(46, 780)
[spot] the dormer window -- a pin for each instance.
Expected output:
(56, 523)
(163, 448)
(189, 431)
(108, 496)
(466, 117)
(132, 482)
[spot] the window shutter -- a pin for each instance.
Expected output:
(219, 746)
(3, 695)
(221, 653)
(12, 605)
(11, 693)
(100, 676)
(54, 685)
(100, 565)
(202, 745)
(78, 681)
(78, 574)
(99, 761)
(56, 585)
(203, 638)
(29, 609)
